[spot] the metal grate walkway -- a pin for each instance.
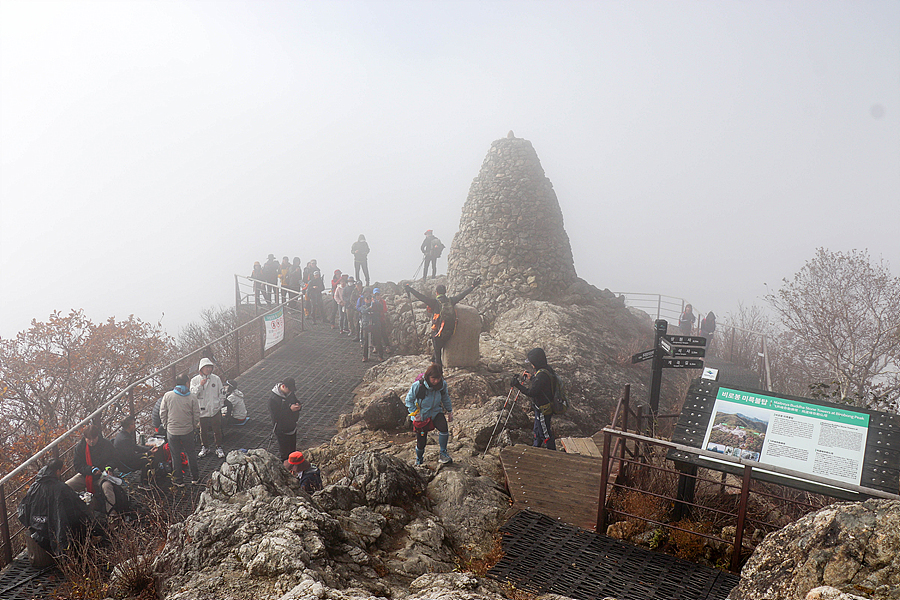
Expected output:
(326, 366)
(542, 555)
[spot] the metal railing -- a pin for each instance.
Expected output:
(628, 469)
(244, 346)
(664, 307)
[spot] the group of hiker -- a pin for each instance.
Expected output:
(197, 404)
(707, 323)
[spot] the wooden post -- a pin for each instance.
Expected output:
(600, 527)
(741, 517)
(4, 529)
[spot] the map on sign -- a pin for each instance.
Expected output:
(820, 440)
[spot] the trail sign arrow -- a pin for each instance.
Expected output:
(682, 363)
(688, 351)
(642, 356)
(687, 340)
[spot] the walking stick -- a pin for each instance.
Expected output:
(416, 276)
(500, 418)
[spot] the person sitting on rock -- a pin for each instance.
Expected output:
(443, 314)
(541, 393)
(429, 406)
(309, 475)
(235, 407)
(92, 455)
(133, 456)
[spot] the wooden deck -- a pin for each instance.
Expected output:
(562, 486)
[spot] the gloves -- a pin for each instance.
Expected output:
(407, 287)
(514, 382)
(95, 471)
(476, 282)
(421, 392)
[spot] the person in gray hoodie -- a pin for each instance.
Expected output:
(207, 387)
(180, 415)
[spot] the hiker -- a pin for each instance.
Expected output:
(309, 475)
(293, 281)
(93, 454)
(134, 456)
(285, 410)
(270, 275)
(351, 300)
(52, 511)
(360, 252)
(429, 406)
(257, 276)
(332, 302)
(235, 407)
(370, 319)
(384, 323)
(540, 391)
(180, 414)
(686, 322)
(207, 388)
(342, 287)
(432, 249)
(443, 317)
(314, 288)
(708, 327)
(283, 271)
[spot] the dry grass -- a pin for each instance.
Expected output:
(480, 564)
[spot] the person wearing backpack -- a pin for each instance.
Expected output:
(443, 314)
(429, 406)
(541, 391)
(360, 252)
(432, 249)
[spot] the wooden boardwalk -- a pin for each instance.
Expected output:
(565, 487)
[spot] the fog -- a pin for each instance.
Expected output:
(151, 150)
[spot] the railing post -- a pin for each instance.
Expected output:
(4, 528)
(600, 527)
(742, 514)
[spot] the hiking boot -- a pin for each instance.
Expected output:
(444, 458)
(420, 456)
(220, 453)
(203, 451)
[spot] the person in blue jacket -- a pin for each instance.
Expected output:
(429, 406)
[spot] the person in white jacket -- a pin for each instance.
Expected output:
(207, 387)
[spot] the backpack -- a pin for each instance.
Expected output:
(311, 480)
(437, 248)
(443, 323)
(559, 404)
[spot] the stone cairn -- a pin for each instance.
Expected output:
(511, 232)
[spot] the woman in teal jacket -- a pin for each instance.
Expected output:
(428, 403)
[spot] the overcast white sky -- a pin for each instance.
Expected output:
(150, 150)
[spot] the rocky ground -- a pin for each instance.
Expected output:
(384, 528)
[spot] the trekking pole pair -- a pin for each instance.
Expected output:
(500, 418)
(416, 276)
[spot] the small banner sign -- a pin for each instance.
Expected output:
(274, 328)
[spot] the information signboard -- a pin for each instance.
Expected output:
(820, 440)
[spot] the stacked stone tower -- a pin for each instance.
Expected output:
(511, 231)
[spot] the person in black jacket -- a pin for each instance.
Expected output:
(132, 455)
(285, 410)
(541, 393)
(92, 455)
(52, 511)
(443, 315)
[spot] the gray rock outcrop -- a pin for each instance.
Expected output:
(851, 547)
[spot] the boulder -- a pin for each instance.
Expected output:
(470, 505)
(386, 412)
(385, 479)
(852, 547)
(462, 349)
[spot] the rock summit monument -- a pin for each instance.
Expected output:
(511, 230)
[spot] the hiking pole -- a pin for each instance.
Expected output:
(500, 418)
(416, 276)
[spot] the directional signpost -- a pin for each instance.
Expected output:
(670, 352)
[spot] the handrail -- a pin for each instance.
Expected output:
(850, 487)
(118, 396)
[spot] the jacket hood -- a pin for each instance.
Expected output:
(277, 390)
(537, 358)
(205, 362)
(45, 473)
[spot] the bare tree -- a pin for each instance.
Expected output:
(214, 323)
(841, 312)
